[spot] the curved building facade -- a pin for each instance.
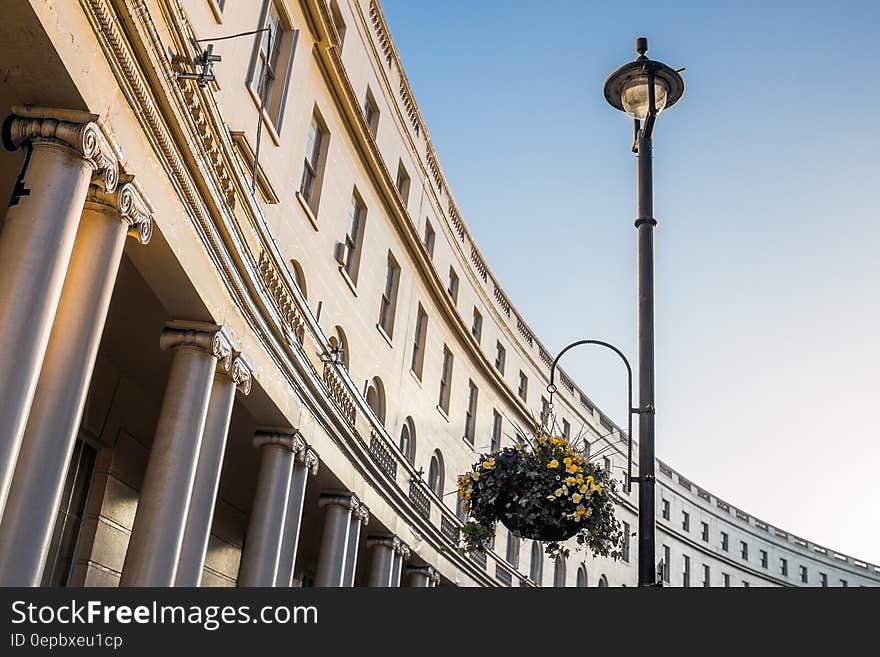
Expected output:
(248, 336)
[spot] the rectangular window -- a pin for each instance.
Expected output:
(744, 549)
(402, 183)
(354, 238)
(418, 357)
(686, 572)
(726, 579)
(665, 509)
(470, 421)
(477, 326)
(523, 391)
(313, 167)
(823, 580)
(685, 521)
(500, 358)
(804, 577)
(70, 515)
(429, 238)
(707, 582)
(338, 23)
(666, 557)
(783, 566)
(371, 113)
(271, 62)
(512, 550)
(624, 551)
(545, 412)
(606, 462)
(704, 531)
(566, 430)
(763, 558)
(388, 303)
(446, 379)
(496, 432)
(452, 288)
(725, 543)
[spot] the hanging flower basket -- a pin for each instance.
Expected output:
(546, 491)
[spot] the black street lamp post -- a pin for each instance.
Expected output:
(642, 89)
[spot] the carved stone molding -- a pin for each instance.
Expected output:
(290, 439)
(85, 139)
(240, 373)
(426, 571)
(350, 501)
(207, 337)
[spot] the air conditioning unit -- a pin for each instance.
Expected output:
(339, 253)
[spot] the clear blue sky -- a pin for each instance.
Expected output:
(767, 250)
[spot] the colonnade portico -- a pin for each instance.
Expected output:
(72, 194)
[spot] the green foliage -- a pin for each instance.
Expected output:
(546, 492)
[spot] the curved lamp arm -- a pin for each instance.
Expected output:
(629, 391)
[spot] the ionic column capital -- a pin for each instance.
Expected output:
(238, 371)
(349, 501)
(76, 131)
(290, 439)
(309, 457)
(192, 335)
(128, 203)
(425, 571)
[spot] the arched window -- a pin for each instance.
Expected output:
(559, 572)
(536, 567)
(460, 510)
(339, 344)
(603, 582)
(408, 440)
(582, 577)
(300, 279)
(435, 473)
(376, 398)
(512, 550)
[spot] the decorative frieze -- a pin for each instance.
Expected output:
(456, 221)
(525, 332)
(502, 301)
(477, 259)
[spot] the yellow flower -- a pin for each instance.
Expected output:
(580, 478)
(590, 480)
(556, 441)
(567, 460)
(570, 480)
(583, 488)
(553, 464)
(571, 468)
(558, 492)
(541, 440)
(575, 498)
(580, 511)
(475, 476)
(488, 464)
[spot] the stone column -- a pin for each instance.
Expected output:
(306, 461)
(157, 535)
(204, 491)
(36, 240)
(387, 557)
(422, 576)
(57, 407)
(359, 516)
(262, 549)
(333, 559)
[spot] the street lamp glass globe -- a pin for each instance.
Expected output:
(634, 96)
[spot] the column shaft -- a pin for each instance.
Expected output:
(259, 563)
(35, 245)
(292, 521)
(157, 535)
(57, 407)
(206, 482)
(334, 545)
(382, 566)
(354, 537)
(396, 569)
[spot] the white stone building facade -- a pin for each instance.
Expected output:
(217, 381)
